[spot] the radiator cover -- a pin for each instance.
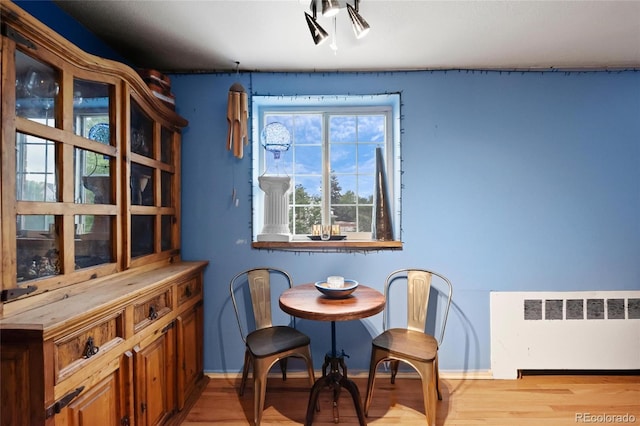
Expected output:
(584, 330)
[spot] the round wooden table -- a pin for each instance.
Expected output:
(305, 301)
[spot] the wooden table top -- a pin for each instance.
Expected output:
(305, 301)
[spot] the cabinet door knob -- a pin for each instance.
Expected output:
(153, 312)
(90, 349)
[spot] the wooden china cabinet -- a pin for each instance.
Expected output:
(101, 322)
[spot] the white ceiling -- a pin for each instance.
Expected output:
(267, 35)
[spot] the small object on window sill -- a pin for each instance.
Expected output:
(382, 230)
(331, 238)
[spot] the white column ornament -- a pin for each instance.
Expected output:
(276, 208)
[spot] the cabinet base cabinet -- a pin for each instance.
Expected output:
(190, 364)
(21, 363)
(149, 375)
(102, 404)
(155, 378)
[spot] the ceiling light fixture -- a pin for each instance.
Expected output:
(330, 8)
(360, 26)
(318, 33)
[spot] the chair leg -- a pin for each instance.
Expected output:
(437, 378)
(260, 371)
(394, 370)
(312, 376)
(245, 371)
(376, 358)
(283, 367)
(427, 374)
(308, 360)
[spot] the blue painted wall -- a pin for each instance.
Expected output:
(512, 181)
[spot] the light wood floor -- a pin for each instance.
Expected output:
(553, 400)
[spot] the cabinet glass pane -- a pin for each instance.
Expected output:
(141, 185)
(142, 235)
(37, 247)
(167, 186)
(91, 110)
(166, 149)
(141, 132)
(166, 240)
(93, 240)
(93, 177)
(36, 174)
(36, 90)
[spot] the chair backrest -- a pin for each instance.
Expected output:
(258, 282)
(419, 283)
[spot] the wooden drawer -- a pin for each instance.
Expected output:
(76, 349)
(189, 290)
(151, 309)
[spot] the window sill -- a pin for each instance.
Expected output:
(328, 246)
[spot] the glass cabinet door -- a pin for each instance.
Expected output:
(38, 176)
(152, 184)
(168, 190)
(94, 172)
(54, 171)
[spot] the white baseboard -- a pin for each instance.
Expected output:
(444, 374)
(466, 375)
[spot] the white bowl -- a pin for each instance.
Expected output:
(337, 293)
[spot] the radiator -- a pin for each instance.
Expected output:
(585, 330)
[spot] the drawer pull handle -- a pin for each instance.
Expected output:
(62, 402)
(187, 291)
(90, 349)
(153, 313)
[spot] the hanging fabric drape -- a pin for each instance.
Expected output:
(237, 116)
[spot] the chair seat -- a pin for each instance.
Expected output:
(272, 340)
(408, 343)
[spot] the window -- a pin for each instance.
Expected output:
(331, 161)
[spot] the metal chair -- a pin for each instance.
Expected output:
(265, 343)
(412, 345)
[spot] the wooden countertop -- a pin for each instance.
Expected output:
(96, 297)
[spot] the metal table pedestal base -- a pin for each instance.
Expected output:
(336, 379)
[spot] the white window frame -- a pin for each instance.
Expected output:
(348, 104)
